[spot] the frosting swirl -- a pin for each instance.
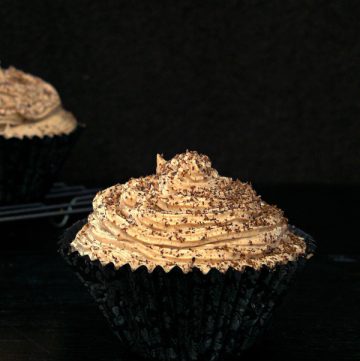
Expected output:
(186, 215)
(30, 107)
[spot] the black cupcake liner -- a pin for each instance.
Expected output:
(177, 316)
(29, 166)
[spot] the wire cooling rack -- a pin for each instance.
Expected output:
(61, 202)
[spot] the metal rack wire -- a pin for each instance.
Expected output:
(61, 201)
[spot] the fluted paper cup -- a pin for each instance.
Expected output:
(29, 166)
(184, 316)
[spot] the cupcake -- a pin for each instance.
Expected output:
(36, 134)
(185, 264)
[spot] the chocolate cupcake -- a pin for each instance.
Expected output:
(185, 264)
(36, 134)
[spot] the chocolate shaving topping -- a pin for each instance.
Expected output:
(24, 97)
(187, 211)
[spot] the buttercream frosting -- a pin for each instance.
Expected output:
(186, 215)
(31, 107)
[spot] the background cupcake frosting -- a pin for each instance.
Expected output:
(29, 107)
(36, 135)
(186, 215)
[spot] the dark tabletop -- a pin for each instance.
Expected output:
(46, 313)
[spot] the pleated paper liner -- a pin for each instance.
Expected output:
(29, 166)
(177, 316)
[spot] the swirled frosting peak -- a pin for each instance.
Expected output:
(186, 215)
(30, 107)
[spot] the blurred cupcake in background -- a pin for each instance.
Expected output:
(36, 134)
(186, 264)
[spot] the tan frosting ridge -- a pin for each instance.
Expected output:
(186, 215)
(30, 107)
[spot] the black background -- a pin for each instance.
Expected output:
(270, 90)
